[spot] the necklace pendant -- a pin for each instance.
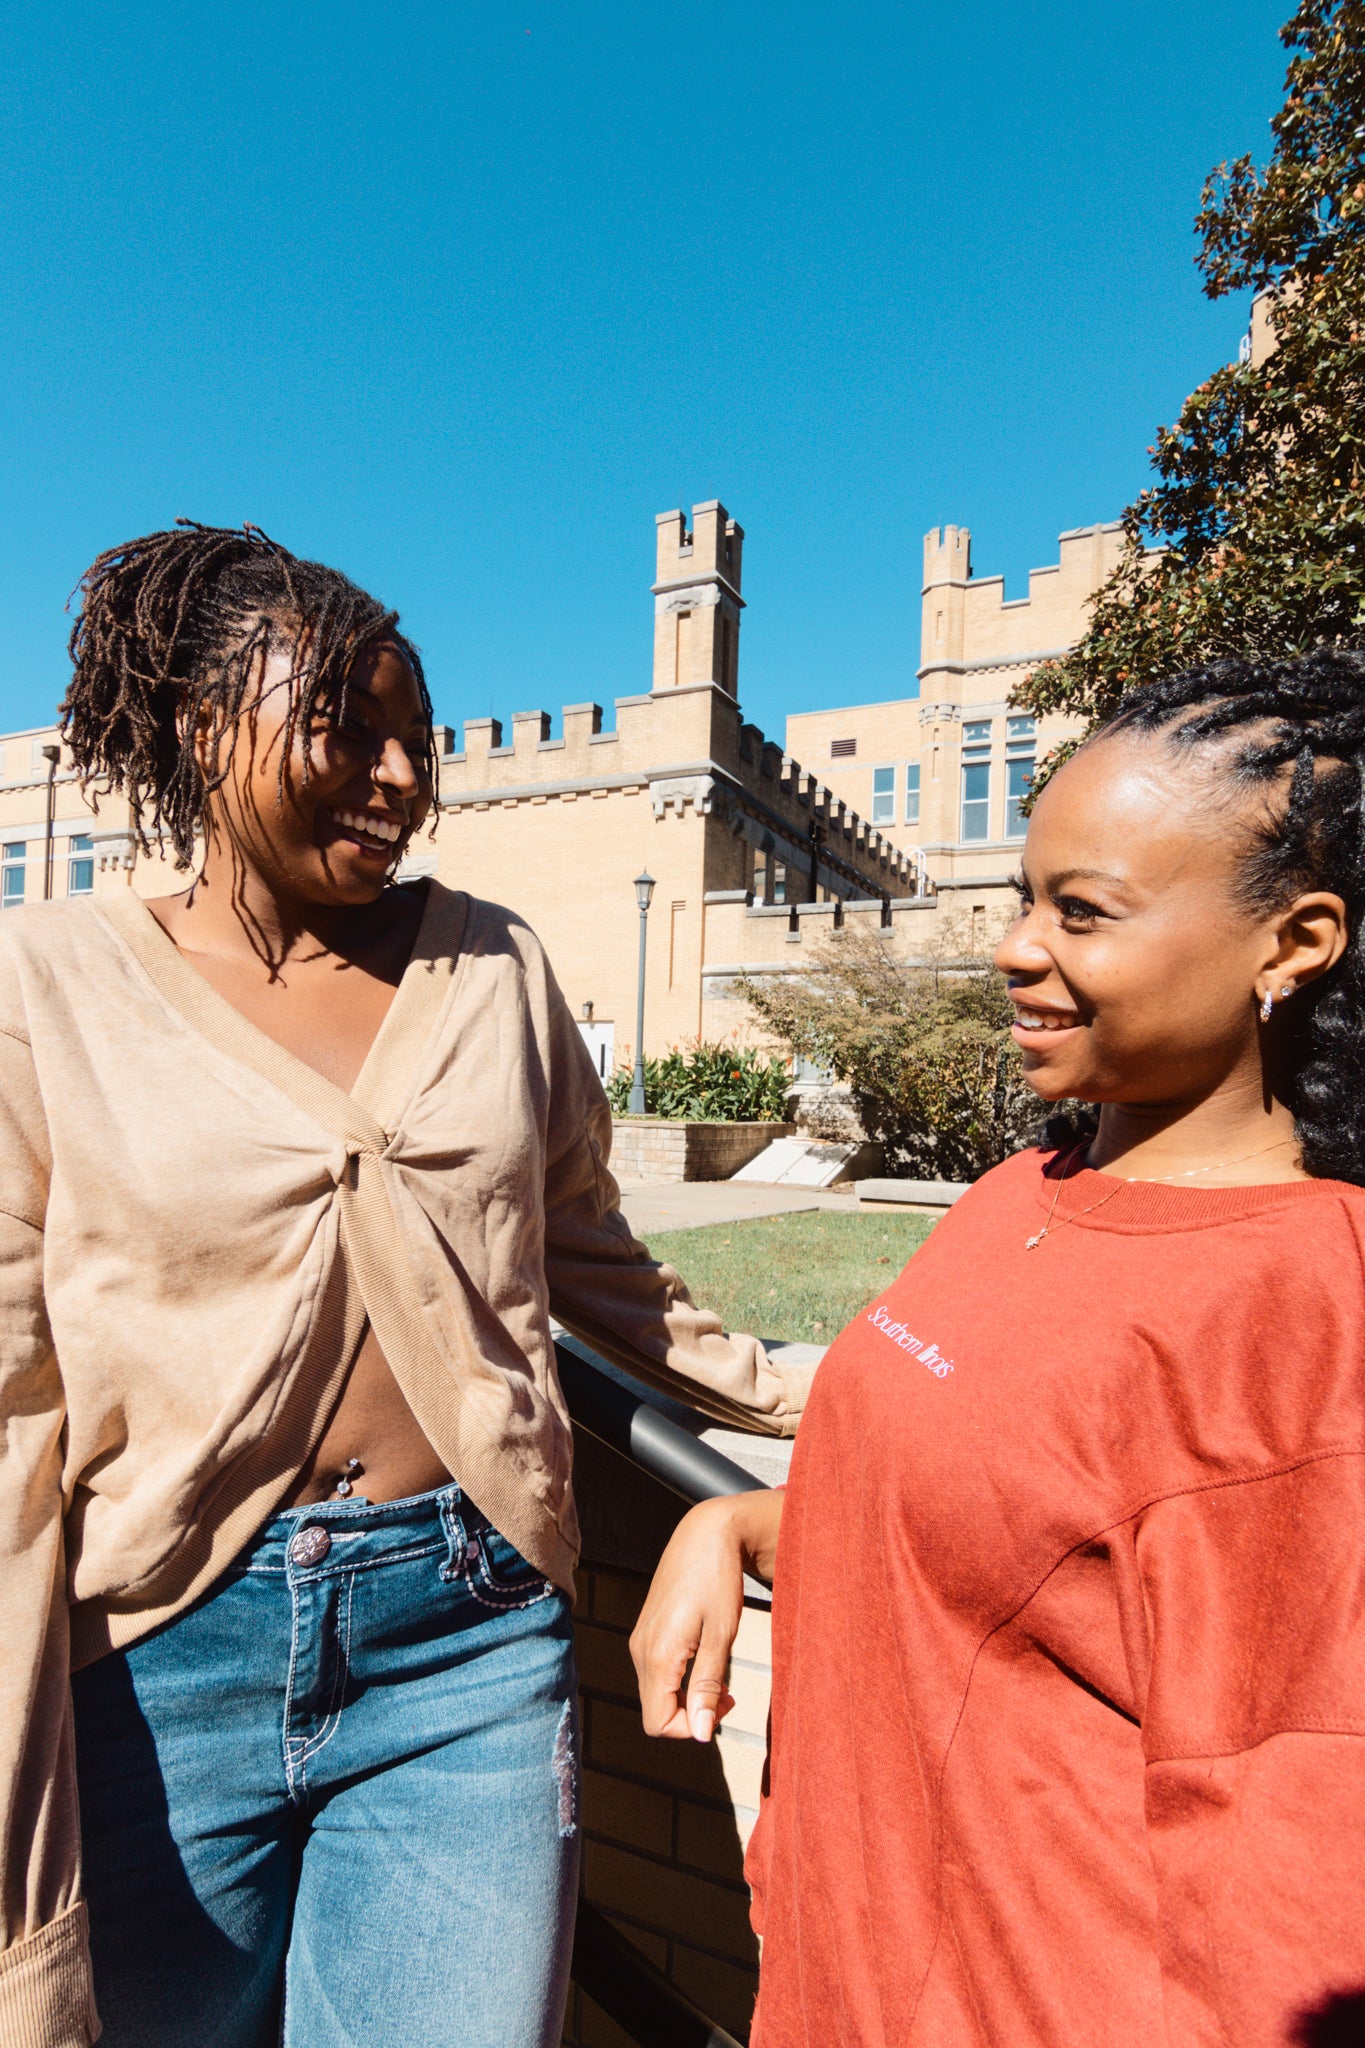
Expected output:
(1032, 1243)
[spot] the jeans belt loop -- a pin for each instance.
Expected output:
(457, 1541)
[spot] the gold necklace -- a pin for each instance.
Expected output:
(1132, 1180)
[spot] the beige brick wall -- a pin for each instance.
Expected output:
(118, 864)
(740, 936)
(975, 648)
(665, 1824)
(23, 816)
(558, 829)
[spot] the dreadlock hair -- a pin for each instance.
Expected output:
(1305, 713)
(172, 636)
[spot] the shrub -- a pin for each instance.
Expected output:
(709, 1084)
(924, 1047)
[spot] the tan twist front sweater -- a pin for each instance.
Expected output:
(194, 1228)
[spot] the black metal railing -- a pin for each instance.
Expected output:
(628, 1423)
(627, 1986)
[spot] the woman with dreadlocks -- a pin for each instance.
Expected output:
(293, 1167)
(1068, 1738)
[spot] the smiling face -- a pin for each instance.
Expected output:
(1135, 968)
(331, 837)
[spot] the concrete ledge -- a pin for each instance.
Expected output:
(934, 1196)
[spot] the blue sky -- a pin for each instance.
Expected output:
(459, 296)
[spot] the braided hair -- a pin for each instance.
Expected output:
(171, 639)
(1304, 713)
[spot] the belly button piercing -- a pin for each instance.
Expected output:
(345, 1486)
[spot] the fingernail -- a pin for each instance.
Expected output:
(703, 1725)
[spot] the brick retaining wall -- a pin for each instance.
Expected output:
(665, 1824)
(658, 1148)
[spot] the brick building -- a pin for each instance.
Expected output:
(753, 855)
(942, 772)
(558, 826)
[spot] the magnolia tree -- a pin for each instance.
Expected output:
(1252, 538)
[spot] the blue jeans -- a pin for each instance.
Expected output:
(336, 1802)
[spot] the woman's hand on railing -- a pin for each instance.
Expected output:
(691, 1615)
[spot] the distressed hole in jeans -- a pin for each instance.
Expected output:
(562, 1764)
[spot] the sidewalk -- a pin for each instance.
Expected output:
(650, 1206)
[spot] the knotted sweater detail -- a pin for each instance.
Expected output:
(195, 1227)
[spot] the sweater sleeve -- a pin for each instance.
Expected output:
(1255, 1740)
(605, 1287)
(46, 1999)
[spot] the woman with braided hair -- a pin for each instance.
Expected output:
(294, 1166)
(1068, 1731)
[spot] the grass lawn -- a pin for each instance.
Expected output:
(800, 1278)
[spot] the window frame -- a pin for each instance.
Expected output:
(10, 866)
(883, 808)
(1016, 824)
(80, 856)
(912, 792)
(975, 809)
(1021, 751)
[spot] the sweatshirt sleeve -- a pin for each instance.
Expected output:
(1255, 1740)
(605, 1287)
(46, 1998)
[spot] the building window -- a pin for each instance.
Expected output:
(80, 869)
(976, 779)
(12, 876)
(883, 796)
(1020, 745)
(842, 750)
(912, 794)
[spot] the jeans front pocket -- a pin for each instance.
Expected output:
(498, 1575)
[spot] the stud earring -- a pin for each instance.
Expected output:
(1267, 1005)
(1288, 988)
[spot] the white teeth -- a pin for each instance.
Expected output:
(1031, 1021)
(370, 828)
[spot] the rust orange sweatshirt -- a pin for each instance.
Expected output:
(1068, 1740)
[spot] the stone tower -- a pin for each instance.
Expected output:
(696, 600)
(947, 575)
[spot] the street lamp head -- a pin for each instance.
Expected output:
(53, 754)
(644, 888)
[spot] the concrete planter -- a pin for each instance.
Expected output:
(930, 1197)
(658, 1148)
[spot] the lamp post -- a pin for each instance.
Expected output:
(644, 889)
(52, 755)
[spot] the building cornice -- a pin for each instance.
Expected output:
(973, 881)
(697, 783)
(23, 782)
(694, 583)
(971, 668)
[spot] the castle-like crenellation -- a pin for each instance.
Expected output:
(685, 748)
